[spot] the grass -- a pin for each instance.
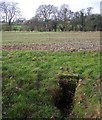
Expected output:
(10, 38)
(30, 76)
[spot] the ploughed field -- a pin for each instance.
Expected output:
(47, 75)
(59, 41)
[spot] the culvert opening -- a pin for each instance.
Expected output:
(63, 97)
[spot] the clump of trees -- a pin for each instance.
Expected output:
(50, 18)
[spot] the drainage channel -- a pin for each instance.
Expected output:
(64, 97)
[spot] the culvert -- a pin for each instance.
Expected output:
(63, 97)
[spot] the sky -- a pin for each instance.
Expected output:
(28, 7)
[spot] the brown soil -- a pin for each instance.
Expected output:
(54, 47)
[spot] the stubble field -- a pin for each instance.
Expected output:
(64, 41)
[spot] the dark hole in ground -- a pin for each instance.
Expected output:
(64, 96)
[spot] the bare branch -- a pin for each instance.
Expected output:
(9, 10)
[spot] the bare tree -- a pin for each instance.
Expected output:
(9, 11)
(89, 10)
(46, 13)
(64, 16)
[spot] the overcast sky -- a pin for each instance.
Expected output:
(28, 7)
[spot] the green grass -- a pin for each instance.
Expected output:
(29, 77)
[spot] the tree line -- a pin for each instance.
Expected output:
(51, 18)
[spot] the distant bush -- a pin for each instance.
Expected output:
(13, 27)
(16, 27)
(6, 27)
